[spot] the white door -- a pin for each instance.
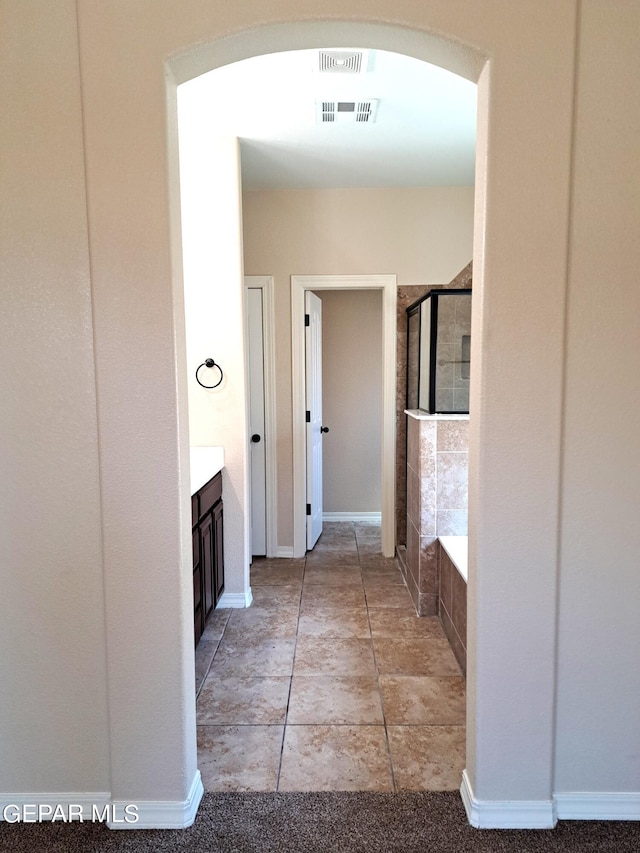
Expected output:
(255, 361)
(315, 429)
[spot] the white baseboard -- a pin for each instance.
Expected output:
(100, 808)
(236, 600)
(352, 516)
(165, 815)
(34, 808)
(285, 551)
(506, 814)
(602, 805)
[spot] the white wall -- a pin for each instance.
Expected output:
(53, 706)
(423, 235)
(598, 684)
(352, 400)
(214, 317)
(547, 214)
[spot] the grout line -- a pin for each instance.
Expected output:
(293, 663)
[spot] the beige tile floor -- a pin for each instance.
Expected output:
(329, 681)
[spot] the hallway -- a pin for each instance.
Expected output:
(329, 681)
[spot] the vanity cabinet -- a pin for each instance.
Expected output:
(208, 551)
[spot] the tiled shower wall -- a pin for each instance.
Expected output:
(437, 487)
(407, 294)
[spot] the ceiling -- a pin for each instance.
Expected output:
(418, 129)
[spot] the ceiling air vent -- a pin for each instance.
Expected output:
(342, 61)
(346, 112)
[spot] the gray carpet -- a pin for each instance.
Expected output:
(327, 823)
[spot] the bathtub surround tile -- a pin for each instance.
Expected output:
(458, 647)
(342, 700)
(452, 522)
(341, 657)
(459, 603)
(423, 700)
(413, 443)
(239, 758)
(452, 607)
(429, 564)
(446, 568)
(453, 480)
(427, 604)
(413, 496)
(413, 552)
(428, 758)
(239, 700)
(437, 466)
(453, 435)
(426, 446)
(335, 758)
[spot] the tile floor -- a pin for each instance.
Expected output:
(329, 681)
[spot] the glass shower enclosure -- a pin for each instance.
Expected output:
(439, 352)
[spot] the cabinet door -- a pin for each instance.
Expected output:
(207, 557)
(198, 621)
(218, 564)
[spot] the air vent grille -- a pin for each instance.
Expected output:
(346, 112)
(341, 61)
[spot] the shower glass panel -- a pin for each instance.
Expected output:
(438, 352)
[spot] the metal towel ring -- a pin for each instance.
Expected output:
(209, 362)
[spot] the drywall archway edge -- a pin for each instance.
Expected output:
(521, 248)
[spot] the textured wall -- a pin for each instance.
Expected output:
(422, 235)
(53, 711)
(550, 208)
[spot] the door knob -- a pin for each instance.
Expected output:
(255, 438)
(324, 429)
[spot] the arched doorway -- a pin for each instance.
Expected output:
(126, 102)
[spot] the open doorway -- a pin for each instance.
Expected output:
(386, 284)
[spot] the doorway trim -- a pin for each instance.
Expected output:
(388, 285)
(266, 284)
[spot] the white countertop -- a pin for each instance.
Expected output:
(421, 415)
(205, 463)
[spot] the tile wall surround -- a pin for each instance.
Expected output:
(407, 295)
(453, 606)
(437, 486)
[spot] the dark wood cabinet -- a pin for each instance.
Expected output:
(208, 552)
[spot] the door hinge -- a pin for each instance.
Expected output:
(308, 416)
(307, 320)
(308, 509)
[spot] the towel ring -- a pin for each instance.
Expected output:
(209, 362)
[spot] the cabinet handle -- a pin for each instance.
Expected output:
(255, 438)
(324, 429)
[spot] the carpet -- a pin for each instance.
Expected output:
(424, 822)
